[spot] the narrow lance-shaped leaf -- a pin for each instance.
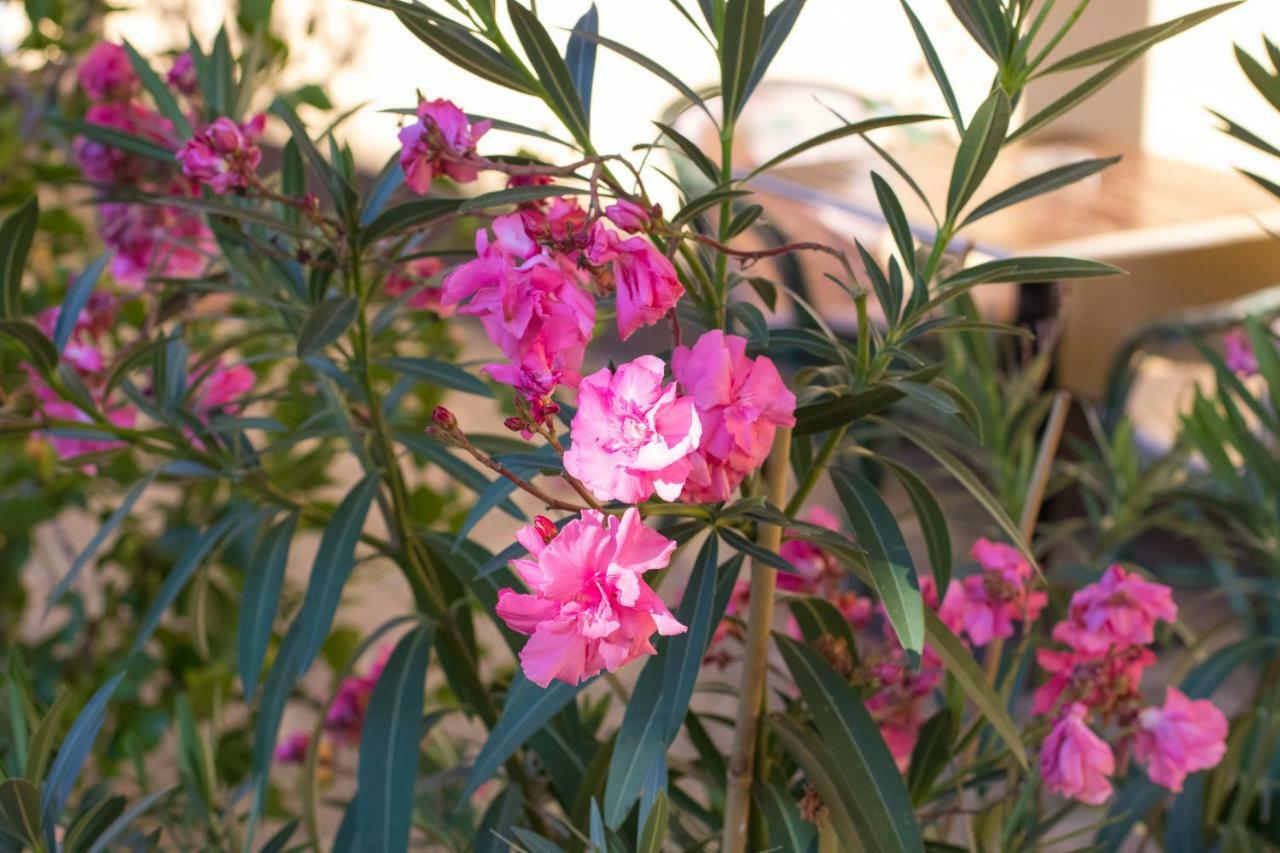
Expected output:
(16, 233)
(739, 48)
(979, 146)
(40, 349)
(1039, 185)
(552, 72)
(388, 765)
(936, 67)
(264, 578)
(580, 57)
(325, 324)
(655, 68)
(855, 129)
(892, 570)
(438, 373)
(881, 807)
(777, 26)
(1139, 40)
(73, 753)
(77, 296)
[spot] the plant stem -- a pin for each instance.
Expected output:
(755, 662)
(814, 473)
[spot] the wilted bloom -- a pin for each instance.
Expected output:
(987, 605)
(741, 403)
(413, 276)
(1098, 681)
(818, 570)
(223, 155)
(1121, 609)
(627, 215)
(632, 436)
(293, 749)
(1184, 736)
(107, 74)
(589, 608)
(182, 76)
(442, 142)
(1074, 761)
(559, 223)
(1238, 353)
(646, 282)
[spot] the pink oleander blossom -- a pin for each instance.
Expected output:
(442, 142)
(628, 216)
(741, 403)
(558, 223)
(819, 572)
(646, 282)
(182, 74)
(152, 240)
(1237, 352)
(987, 605)
(631, 435)
(1185, 736)
(345, 718)
(1074, 761)
(589, 609)
(224, 155)
(530, 306)
(1120, 609)
(414, 276)
(1100, 682)
(70, 447)
(106, 74)
(222, 389)
(293, 749)
(108, 164)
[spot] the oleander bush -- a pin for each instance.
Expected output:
(279, 359)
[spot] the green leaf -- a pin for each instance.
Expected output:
(411, 214)
(91, 822)
(340, 191)
(856, 129)
(706, 201)
(984, 19)
(527, 709)
(817, 617)
(1267, 85)
(439, 373)
(260, 599)
(20, 807)
(661, 696)
(691, 150)
(785, 829)
(1039, 185)
(117, 828)
(936, 67)
(113, 521)
(43, 356)
(933, 523)
(651, 66)
(334, 561)
(73, 752)
(1038, 269)
(815, 418)
(822, 770)
(40, 749)
(16, 233)
(1139, 40)
(74, 300)
(740, 43)
(743, 545)
(458, 470)
(961, 666)
(655, 828)
(878, 800)
(930, 754)
(979, 146)
(192, 558)
(897, 221)
(892, 570)
(552, 71)
(116, 139)
(1075, 96)
(580, 57)
(325, 324)
(388, 767)
(516, 195)
(159, 92)
(777, 26)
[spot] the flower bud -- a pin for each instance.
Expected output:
(444, 418)
(546, 527)
(516, 424)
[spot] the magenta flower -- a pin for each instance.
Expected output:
(152, 240)
(646, 282)
(589, 609)
(987, 605)
(530, 305)
(224, 155)
(1121, 609)
(1238, 353)
(442, 142)
(818, 570)
(221, 389)
(632, 436)
(1184, 736)
(414, 276)
(293, 749)
(107, 74)
(182, 75)
(1099, 682)
(740, 402)
(1074, 761)
(628, 216)
(105, 163)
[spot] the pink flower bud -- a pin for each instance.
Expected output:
(444, 418)
(546, 527)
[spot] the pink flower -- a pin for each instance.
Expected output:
(293, 749)
(107, 74)
(223, 155)
(82, 350)
(72, 446)
(153, 240)
(1121, 609)
(442, 142)
(1074, 761)
(627, 215)
(105, 163)
(558, 223)
(631, 436)
(590, 608)
(1184, 736)
(647, 285)
(413, 276)
(1238, 353)
(987, 605)
(740, 402)
(182, 76)
(818, 570)
(531, 307)
(222, 388)
(1099, 682)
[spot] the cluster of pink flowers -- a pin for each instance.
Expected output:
(985, 606)
(224, 155)
(1107, 631)
(345, 717)
(589, 609)
(441, 142)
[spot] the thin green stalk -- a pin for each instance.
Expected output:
(811, 477)
(1057, 37)
(726, 217)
